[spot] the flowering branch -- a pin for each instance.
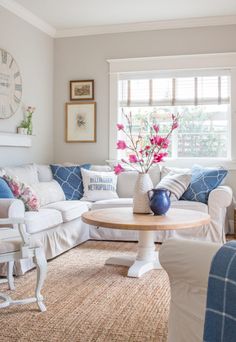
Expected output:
(143, 155)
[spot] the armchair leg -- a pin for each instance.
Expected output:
(41, 263)
(10, 278)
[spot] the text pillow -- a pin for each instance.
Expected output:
(70, 179)
(23, 192)
(177, 184)
(203, 181)
(99, 185)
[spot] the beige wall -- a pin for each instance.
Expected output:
(33, 51)
(85, 58)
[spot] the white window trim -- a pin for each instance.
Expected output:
(167, 64)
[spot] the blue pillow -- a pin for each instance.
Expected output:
(70, 179)
(203, 181)
(5, 191)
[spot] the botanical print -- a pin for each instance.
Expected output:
(81, 122)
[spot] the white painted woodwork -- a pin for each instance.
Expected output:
(14, 139)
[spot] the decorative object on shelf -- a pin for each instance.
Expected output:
(26, 126)
(81, 122)
(82, 90)
(10, 85)
(159, 201)
(142, 152)
(22, 130)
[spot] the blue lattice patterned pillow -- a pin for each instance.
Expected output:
(203, 181)
(70, 179)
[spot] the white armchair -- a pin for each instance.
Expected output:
(187, 264)
(16, 244)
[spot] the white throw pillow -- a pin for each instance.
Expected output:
(48, 192)
(99, 185)
(176, 183)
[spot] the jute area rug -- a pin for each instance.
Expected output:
(87, 301)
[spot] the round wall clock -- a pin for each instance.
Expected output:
(10, 85)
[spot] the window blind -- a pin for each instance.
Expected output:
(166, 91)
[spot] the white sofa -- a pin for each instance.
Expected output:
(58, 225)
(187, 264)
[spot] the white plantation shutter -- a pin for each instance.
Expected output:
(167, 91)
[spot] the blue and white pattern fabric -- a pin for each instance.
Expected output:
(203, 181)
(70, 179)
(220, 320)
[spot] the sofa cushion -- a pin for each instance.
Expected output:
(127, 179)
(112, 203)
(203, 181)
(24, 192)
(48, 192)
(5, 190)
(44, 173)
(70, 179)
(165, 170)
(198, 206)
(70, 210)
(99, 185)
(26, 173)
(36, 221)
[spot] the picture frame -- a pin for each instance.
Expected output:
(82, 90)
(80, 122)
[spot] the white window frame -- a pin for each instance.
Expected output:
(172, 64)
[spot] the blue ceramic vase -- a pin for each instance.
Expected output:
(159, 201)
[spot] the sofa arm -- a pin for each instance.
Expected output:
(220, 197)
(188, 261)
(11, 208)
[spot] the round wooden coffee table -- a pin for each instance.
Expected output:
(147, 256)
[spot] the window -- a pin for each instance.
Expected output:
(203, 100)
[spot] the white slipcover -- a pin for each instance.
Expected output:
(26, 173)
(187, 264)
(70, 210)
(36, 221)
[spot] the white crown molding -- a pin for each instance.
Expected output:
(28, 16)
(147, 26)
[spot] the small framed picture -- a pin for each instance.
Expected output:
(81, 122)
(82, 90)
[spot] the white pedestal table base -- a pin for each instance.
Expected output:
(147, 258)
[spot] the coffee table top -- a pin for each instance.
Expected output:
(123, 218)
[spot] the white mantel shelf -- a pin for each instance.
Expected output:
(14, 139)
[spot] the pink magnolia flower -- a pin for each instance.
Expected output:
(158, 157)
(156, 140)
(121, 145)
(120, 127)
(147, 147)
(118, 169)
(133, 158)
(156, 128)
(165, 143)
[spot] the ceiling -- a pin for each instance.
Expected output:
(78, 14)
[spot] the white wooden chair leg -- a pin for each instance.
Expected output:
(10, 278)
(41, 263)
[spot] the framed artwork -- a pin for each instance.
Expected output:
(81, 122)
(82, 90)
